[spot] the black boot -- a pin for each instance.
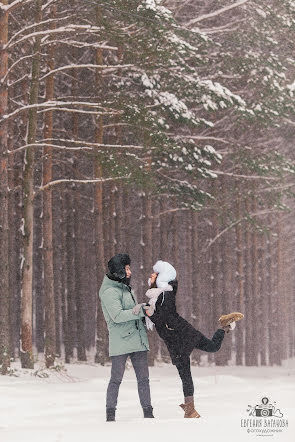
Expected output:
(148, 412)
(111, 414)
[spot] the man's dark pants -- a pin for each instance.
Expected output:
(140, 365)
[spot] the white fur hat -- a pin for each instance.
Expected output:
(166, 273)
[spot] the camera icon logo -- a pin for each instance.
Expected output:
(265, 409)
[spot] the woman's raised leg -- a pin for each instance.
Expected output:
(210, 345)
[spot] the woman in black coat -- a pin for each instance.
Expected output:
(180, 337)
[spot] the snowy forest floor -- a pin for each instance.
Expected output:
(69, 405)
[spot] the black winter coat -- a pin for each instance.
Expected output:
(179, 335)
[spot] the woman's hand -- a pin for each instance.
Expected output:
(148, 310)
(136, 309)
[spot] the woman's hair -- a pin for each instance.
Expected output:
(174, 285)
(154, 284)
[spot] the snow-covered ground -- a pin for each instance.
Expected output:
(69, 406)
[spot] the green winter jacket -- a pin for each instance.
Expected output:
(126, 331)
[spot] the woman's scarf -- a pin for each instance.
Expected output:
(153, 295)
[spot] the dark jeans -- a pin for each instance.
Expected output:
(140, 365)
(184, 366)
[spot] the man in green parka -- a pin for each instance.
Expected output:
(127, 334)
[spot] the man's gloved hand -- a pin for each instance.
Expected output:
(136, 309)
(148, 309)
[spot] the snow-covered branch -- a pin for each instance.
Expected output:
(198, 137)
(78, 66)
(229, 27)
(248, 177)
(77, 111)
(233, 224)
(90, 181)
(14, 5)
(80, 44)
(86, 143)
(33, 26)
(59, 105)
(215, 13)
(169, 211)
(64, 29)
(19, 60)
(50, 2)
(83, 145)
(19, 80)
(287, 120)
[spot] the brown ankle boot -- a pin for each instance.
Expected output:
(226, 320)
(189, 410)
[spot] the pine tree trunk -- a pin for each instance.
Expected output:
(59, 270)
(281, 338)
(101, 331)
(254, 307)
(239, 343)
(186, 222)
(147, 250)
(120, 227)
(163, 256)
(70, 329)
(78, 243)
(38, 262)
(50, 325)
(227, 264)
(204, 283)
(155, 256)
(112, 220)
(63, 269)
(248, 296)
(269, 313)
(217, 307)
(163, 230)
(14, 292)
(28, 202)
(262, 326)
(274, 312)
(175, 256)
(194, 251)
(226, 290)
(4, 257)
(78, 275)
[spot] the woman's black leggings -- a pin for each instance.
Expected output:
(183, 365)
(184, 369)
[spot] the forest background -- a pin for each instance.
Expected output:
(163, 129)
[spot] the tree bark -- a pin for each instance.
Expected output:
(4, 259)
(217, 302)
(28, 201)
(78, 243)
(147, 251)
(248, 295)
(101, 332)
(163, 256)
(50, 324)
(70, 313)
(239, 344)
(262, 326)
(254, 307)
(194, 251)
(13, 251)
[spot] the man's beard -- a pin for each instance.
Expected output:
(126, 280)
